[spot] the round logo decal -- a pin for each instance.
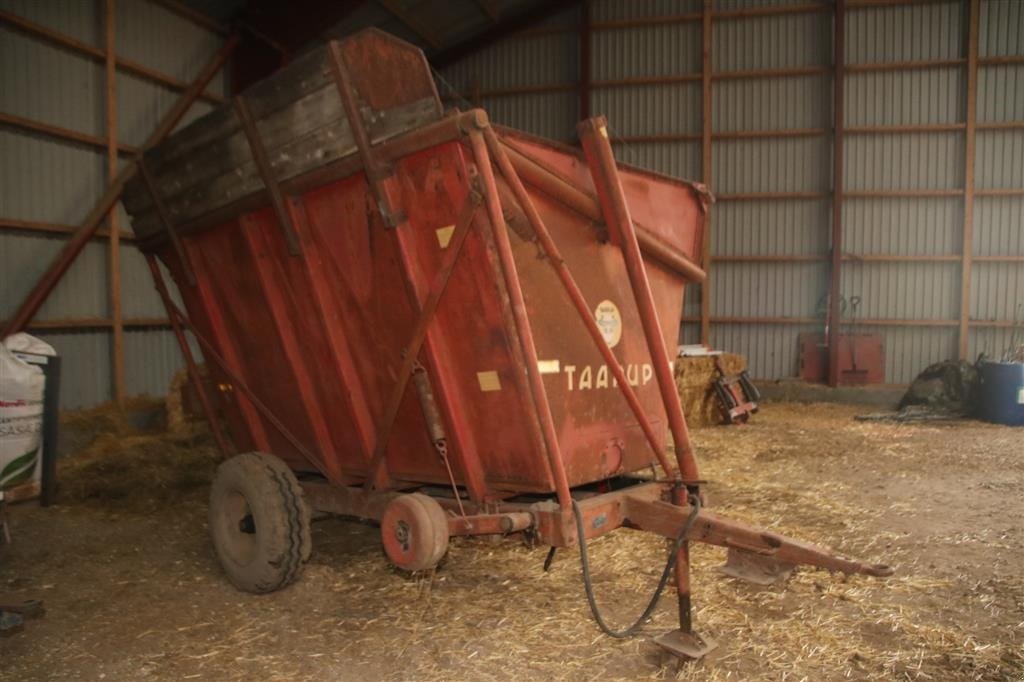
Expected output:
(609, 321)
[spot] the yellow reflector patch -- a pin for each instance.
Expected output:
(488, 381)
(549, 366)
(444, 235)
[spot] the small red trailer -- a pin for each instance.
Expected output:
(422, 319)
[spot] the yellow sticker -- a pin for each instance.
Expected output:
(549, 366)
(444, 235)
(488, 381)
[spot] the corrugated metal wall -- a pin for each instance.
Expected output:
(998, 288)
(531, 81)
(785, 241)
(54, 181)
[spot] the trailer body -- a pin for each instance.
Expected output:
(319, 337)
(448, 327)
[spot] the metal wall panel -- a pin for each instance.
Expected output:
(75, 18)
(783, 103)
(1001, 93)
(162, 40)
(774, 164)
(904, 161)
(551, 115)
(772, 42)
(771, 165)
(142, 104)
(998, 226)
(908, 350)
(768, 289)
(994, 342)
(529, 60)
(678, 159)
(770, 228)
(904, 226)
(669, 49)
(139, 296)
(999, 161)
(151, 357)
(47, 180)
(906, 98)
(751, 4)
(55, 181)
(906, 33)
(997, 289)
(903, 291)
(1002, 28)
(649, 110)
(85, 366)
(770, 349)
(617, 10)
(27, 63)
(81, 293)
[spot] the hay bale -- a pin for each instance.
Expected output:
(118, 461)
(184, 410)
(695, 377)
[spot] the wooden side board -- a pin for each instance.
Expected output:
(301, 122)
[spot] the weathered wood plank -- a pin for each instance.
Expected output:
(207, 191)
(218, 157)
(208, 167)
(313, 111)
(302, 76)
(305, 75)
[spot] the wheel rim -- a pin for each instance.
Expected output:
(240, 529)
(415, 536)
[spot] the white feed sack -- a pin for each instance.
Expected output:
(21, 413)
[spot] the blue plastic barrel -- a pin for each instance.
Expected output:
(1002, 393)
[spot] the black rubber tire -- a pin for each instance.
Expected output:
(259, 522)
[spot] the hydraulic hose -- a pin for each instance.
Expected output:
(670, 564)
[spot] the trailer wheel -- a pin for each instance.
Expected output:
(414, 530)
(259, 522)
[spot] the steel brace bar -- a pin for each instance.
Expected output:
(555, 259)
(208, 349)
(601, 162)
(190, 361)
(165, 218)
(259, 156)
(439, 285)
(522, 320)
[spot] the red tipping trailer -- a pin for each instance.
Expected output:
(432, 322)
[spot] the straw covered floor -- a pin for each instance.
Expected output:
(133, 589)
